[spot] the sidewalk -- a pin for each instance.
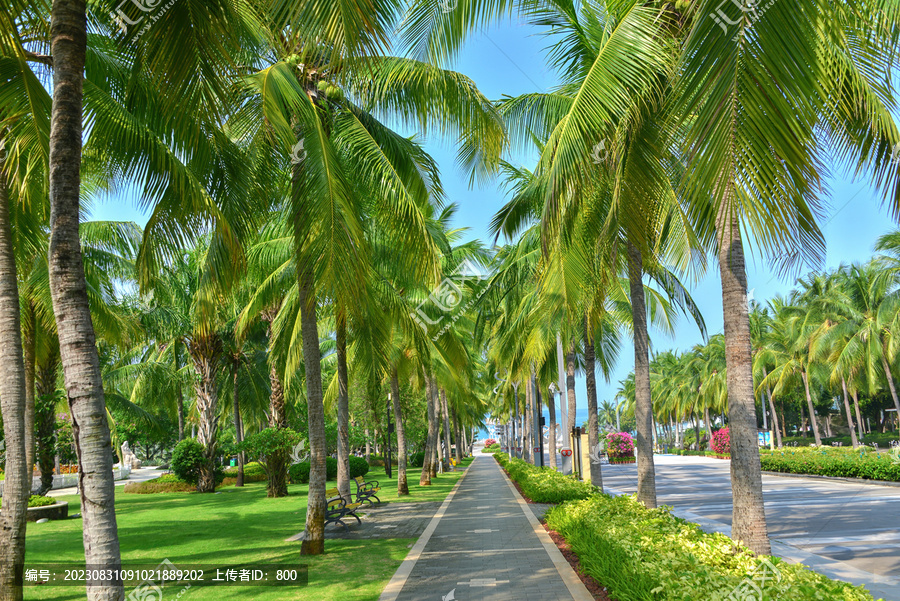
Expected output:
(139, 475)
(485, 544)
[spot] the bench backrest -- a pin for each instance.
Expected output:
(332, 492)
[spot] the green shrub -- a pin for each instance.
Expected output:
(840, 462)
(40, 501)
(494, 448)
(358, 466)
(299, 472)
(187, 458)
(883, 440)
(168, 479)
(643, 554)
(417, 459)
(544, 485)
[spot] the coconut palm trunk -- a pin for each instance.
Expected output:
(179, 393)
(445, 414)
(570, 392)
(749, 517)
(593, 422)
(890, 380)
(859, 421)
(527, 425)
(314, 539)
(81, 365)
(402, 484)
(457, 435)
(29, 340)
(343, 410)
(853, 437)
(643, 407)
(238, 427)
(45, 418)
(551, 437)
(430, 437)
(436, 444)
(772, 411)
(814, 423)
(205, 351)
(17, 486)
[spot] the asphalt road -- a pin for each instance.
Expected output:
(847, 530)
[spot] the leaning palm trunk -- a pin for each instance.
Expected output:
(853, 438)
(643, 407)
(402, 484)
(425, 477)
(314, 536)
(205, 351)
(343, 411)
(593, 422)
(12, 395)
(81, 365)
(749, 517)
(814, 423)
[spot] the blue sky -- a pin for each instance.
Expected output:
(508, 60)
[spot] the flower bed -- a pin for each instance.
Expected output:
(620, 447)
(721, 443)
(840, 462)
(642, 554)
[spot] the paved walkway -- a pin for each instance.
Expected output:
(484, 544)
(139, 475)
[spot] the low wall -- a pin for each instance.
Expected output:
(59, 511)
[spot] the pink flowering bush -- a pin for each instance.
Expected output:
(489, 442)
(619, 444)
(721, 442)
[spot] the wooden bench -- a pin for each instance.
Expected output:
(365, 491)
(338, 508)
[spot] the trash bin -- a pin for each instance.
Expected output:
(233, 462)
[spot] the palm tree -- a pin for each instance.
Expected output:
(12, 392)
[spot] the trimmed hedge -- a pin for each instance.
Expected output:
(494, 448)
(835, 462)
(882, 440)
(690, 453)
(543, 485)
(642, 554)
(163, 484)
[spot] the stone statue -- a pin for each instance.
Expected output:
(128, 457)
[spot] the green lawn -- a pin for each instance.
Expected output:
(239, 526)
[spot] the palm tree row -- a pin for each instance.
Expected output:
(828, 347)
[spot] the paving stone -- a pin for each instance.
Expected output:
(484, 548)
